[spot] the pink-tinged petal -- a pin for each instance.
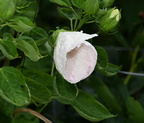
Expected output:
(80, 63)
(74, 57)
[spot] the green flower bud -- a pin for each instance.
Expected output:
(110, 20)
(7, 9)
(54, 35)
(91, 6)
(106, 3)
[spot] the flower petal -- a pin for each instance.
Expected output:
(74, 57)
(80, 63)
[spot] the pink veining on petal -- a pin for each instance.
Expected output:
(80, 63)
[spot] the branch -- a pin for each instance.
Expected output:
(32, 112)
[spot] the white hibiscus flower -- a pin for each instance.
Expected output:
(74, 57)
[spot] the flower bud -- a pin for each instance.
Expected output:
(74, 57)
(106, 3)
(110, 20)
(55, 35)
(7, 9)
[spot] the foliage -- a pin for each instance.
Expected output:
(29, 80)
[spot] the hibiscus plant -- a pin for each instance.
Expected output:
(45, 70)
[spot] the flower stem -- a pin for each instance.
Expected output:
(135, 55)
(134, 64)
(43, 107)
(92, 21)
(129, 76)
(52, 70)
(74, 12)
(75, 26)
(71, 25)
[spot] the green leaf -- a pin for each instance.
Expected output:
(7, 9)
(78, 3)
(104, 93)
(20, 2)
(102, 64)
(6, 107)
(68, 13)
(40, 77)
(102, 57)
(106, 3)
(40, 65)
(91, 6)
(13, 87)
(136, 84)
(119, 89)
(21, 24)
(39, 35)
(110, 70)
(21, 120)
(89, 108)
(82, 22)
(25, 117)
(48, 49)
(8, 36)
(4, 118)
(62, 100)
(29, 9)
(135, 110)
(29, 47)
(38, 32)
(65, 89)
(7, 47)
(39, 92)
(62, 2)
